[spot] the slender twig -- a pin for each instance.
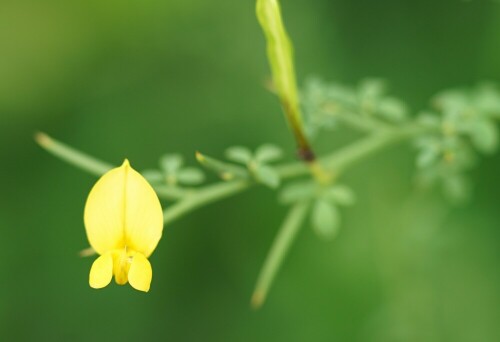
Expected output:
(190, 200)
(354, 153)
(72, 156)
(281, 244)
(173, 193)
(363, 123)
(344, 157)
(201, 197)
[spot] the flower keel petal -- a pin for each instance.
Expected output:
(140, 273)
(101, 271)
(121, 266)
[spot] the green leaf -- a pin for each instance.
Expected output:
(225, 171)
(427, 157)
(451, 101)
(268, 176)
(320, 105)
(298, 191)
(487, 99)
(484, 135)
(190, 176)
(341, 95)
(392, 109)
(429, 119)
(267, 153)
(239, 154)
(341, 194)
(153, 176)
(451, 143)
(170, 163)
(371, 89)
(428, 141)
(325, 219)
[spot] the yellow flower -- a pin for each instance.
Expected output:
(124, 222)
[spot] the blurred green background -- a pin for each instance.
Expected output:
(137, 79)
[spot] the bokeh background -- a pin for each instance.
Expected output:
(138, 79)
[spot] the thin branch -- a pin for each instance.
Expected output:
(192, 199)
(344, 157)
(281, 244)
(201, 197)
(364, 123)
(281, 60)
(72, 156)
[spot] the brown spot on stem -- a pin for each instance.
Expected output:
(306, 154)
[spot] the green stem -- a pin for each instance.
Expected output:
(190, 200)
(172, 193)
(281, 60)
(363, 123)
(72, 156)
(281, 245)
(344, 157)
(354, 153)
(206, 195)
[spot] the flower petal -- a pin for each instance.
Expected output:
(121, 266)
(105, 210)
(101, 271)
(143, 215)
(140, 273)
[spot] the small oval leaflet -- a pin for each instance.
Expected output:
(325, 219)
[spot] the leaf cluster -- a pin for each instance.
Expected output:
(325, 215)
(325, 104)
(462, 126)
(172, 172)
(246, 165)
